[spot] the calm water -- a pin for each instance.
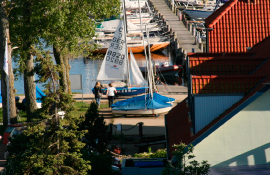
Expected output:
(90, 68)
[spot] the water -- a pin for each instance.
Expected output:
(90, 68)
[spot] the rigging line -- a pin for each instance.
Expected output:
(163, 79)
(166, 92)
(144, 52)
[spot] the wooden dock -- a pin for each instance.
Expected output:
(183, 39)
(171, 89)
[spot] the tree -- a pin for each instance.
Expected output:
(73, 27)
(53, 148)
(4, 35)
(64, 24)
(96, 140)
(27, 20)
(182, 166)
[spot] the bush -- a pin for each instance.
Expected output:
(161, 153)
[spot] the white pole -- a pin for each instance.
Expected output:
(7, 78)
(126, 48)
(8, 100)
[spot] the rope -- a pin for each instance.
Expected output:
(159, 72)
(165, 83)
(129, 128)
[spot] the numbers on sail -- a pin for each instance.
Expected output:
(116, 45)
(114, 57)
(117, 42)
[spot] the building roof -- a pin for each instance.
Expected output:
(214, 84)
(216, 55)
(224, 65)
(261, 48)
(238, 24)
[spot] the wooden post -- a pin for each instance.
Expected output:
(184, 56)
(110, 130)
(175, 44)
(173, 37)
(194, 31)
(140, 129)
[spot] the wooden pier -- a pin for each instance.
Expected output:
(183, 41)
(171, 89)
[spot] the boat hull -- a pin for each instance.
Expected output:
(195, 14)
(142, 111)
(131, 91)
(139, 48)
(165, 71)
(124, 91)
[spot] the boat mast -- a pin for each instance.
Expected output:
(145, 53)
(151, 74)
(126, 48)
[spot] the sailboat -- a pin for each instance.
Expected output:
(115, 66)
(147, 104)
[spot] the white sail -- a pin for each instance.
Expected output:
(114, 66)
(135, 74)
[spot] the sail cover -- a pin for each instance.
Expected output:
(114, 64)
(144, 102)
(135, 74)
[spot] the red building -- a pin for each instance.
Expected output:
(225, 81)
(238, 24)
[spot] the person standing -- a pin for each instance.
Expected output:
(111, 91)
(98, 93)
(157, 82)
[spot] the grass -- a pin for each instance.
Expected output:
(22, 116)
(76, 92)
(81, 108)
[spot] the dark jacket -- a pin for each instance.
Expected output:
(98, 92)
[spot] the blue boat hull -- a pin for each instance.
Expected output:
(124, 91)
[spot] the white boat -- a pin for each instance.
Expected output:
(115, 65)
(111, 26)
(134, 43)
(200, 3)
(147, 104)
(135, 4)
(142, 111)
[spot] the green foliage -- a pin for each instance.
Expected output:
(161, 153)
(97, 137)
(96, 141)
(36, 151)
(185, 163)
(2, 130)
(100, 163)
(53, 148)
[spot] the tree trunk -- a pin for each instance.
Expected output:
(12, 104)
(4, 34)
(67, 75)
(30, 87)
(63, 74)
